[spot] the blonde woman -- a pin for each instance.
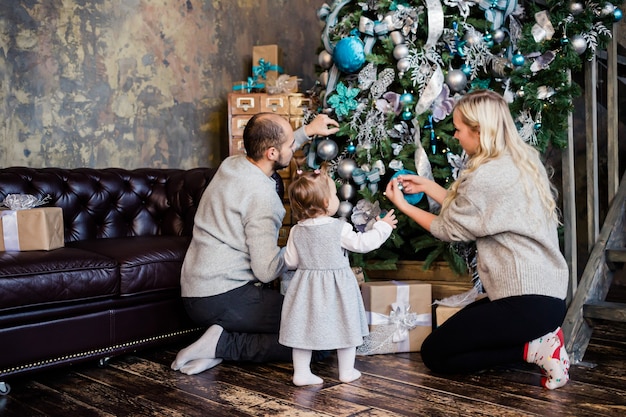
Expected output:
(503, 201)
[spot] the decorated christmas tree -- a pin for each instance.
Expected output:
(391, 71)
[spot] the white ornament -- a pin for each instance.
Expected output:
(380, 165)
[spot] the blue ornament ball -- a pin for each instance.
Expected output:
(411, 198)
(351, 148)
(518, 60)
(617, 14)
(407, 99)
(349, 54)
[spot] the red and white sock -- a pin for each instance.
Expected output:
(548, 352)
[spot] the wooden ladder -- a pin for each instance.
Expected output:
(589, 302)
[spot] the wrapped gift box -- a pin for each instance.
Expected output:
(267, 63)
(443, 313)
(399, 315)
(31, 229)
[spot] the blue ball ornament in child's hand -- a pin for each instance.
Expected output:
(413, 199)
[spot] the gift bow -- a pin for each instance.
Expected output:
(265, 66)
(401, 319)
(249, 86)
(496, 11)
(404, 321)
(372, 178)
(373, 30)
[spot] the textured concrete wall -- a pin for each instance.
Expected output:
(134, 83)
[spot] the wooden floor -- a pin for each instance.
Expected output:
(143, 385)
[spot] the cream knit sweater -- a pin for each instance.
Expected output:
(517, 243)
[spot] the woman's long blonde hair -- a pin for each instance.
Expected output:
(487, 112)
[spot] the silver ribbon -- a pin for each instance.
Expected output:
(431, 92)
(423, 167)
(400, 318)
(9, 230)
(435, 84)
(435, 22)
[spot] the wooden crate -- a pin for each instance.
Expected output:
(443, 280)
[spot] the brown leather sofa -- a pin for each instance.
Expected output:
(115, 285)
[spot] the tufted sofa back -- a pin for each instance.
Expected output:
(114, 202)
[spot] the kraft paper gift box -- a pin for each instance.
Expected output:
(443, 313)
(399, 316)
(448, 307)
(267, 63)
(31, 229)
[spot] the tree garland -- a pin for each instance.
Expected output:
(391, 71)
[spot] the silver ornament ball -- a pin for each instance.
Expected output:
(346, 192)
(499, 35)
(608, 9)
(396, 37)
(403, 65)
(400, 51)
(327, 149)
(345, 209)
(456, 80)
(576, 8)
(323, 78)
(345, 168)
(472, 38)
(578, 44)
(325, 59)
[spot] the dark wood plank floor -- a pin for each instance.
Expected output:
(143, 385)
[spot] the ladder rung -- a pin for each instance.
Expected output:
(605, 310)
(616, 254)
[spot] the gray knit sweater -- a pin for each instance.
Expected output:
(235, 230)
(517, 243)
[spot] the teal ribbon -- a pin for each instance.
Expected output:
(260, 71)
(252, 84)
(496, 11)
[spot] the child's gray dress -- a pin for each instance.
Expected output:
(323, 308)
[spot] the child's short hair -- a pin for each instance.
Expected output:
(309, 194)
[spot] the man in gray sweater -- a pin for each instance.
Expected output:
(234, 253)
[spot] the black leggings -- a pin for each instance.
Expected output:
(491, 333)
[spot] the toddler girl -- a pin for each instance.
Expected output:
(323, 308)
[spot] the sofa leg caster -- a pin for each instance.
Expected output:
(104, 362)
(4, 388)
